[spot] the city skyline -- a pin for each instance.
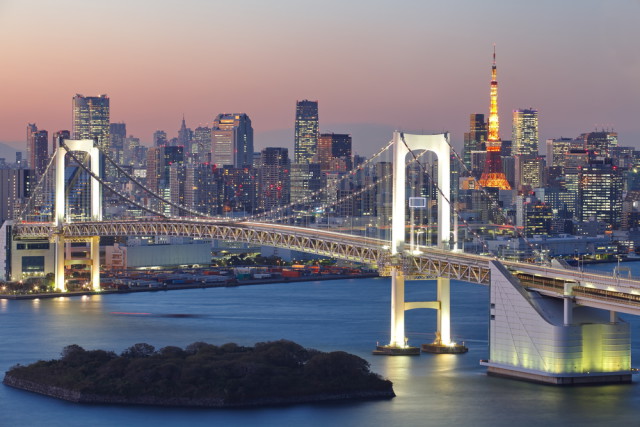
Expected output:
(368, 80)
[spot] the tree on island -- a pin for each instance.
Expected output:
(230, 373)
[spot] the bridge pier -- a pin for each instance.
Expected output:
(59, 282)
(547, 340)
(398, 338)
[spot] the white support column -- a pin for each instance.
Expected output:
(59, 187)
(397, 308)
(444, 312)
(613, 317)
(568, 311)
(95, 262)
(568, 304)
(59, 281)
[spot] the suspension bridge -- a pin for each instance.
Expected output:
(549, 322)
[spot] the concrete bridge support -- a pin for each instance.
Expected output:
(547, 340)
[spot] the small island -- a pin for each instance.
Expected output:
(202, 375)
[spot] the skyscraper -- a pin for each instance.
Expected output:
(273, 178)
(40, 152)
(31, 130)
(57, 138)
(600, 142)
(159, 138)
(493, 176)
(91, 119)
(334, 152)
(475, 139)
(600, 193)
(185, 136)
(117, 133)
(232, 140)
(525, 132)
(306, 131)
(201, 145)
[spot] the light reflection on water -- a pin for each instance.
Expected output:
(334, 315)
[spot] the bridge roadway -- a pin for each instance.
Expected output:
(589, 289)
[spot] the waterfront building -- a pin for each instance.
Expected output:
(232, 140)
(493, 175)
(306, 131)
(525, 132)
(91, 119)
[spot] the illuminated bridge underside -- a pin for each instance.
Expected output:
(593, 290)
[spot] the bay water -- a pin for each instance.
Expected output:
(350, 315)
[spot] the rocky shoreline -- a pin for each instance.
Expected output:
(80, 397)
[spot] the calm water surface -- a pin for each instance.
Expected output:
(348, 315)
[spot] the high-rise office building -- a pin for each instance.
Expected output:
(529, 173)
(600, 142)
(57, 138)
(37, 149)
(334, 152)
(306, 181)
(525, 132)
(306, 131)
(201, 145)
(600, 193)
(31, 130)
(159, 161)
(15, 189)
(493, 175)
(273, 178)
(40, 152)
(185, 135)
(159, 138)
(558, 148)
(475, 139)
(204, 189)
(117, 133)
(232, 140)
(91, 119)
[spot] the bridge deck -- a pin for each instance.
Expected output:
(592, 289)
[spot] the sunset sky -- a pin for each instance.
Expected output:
(372, 65)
